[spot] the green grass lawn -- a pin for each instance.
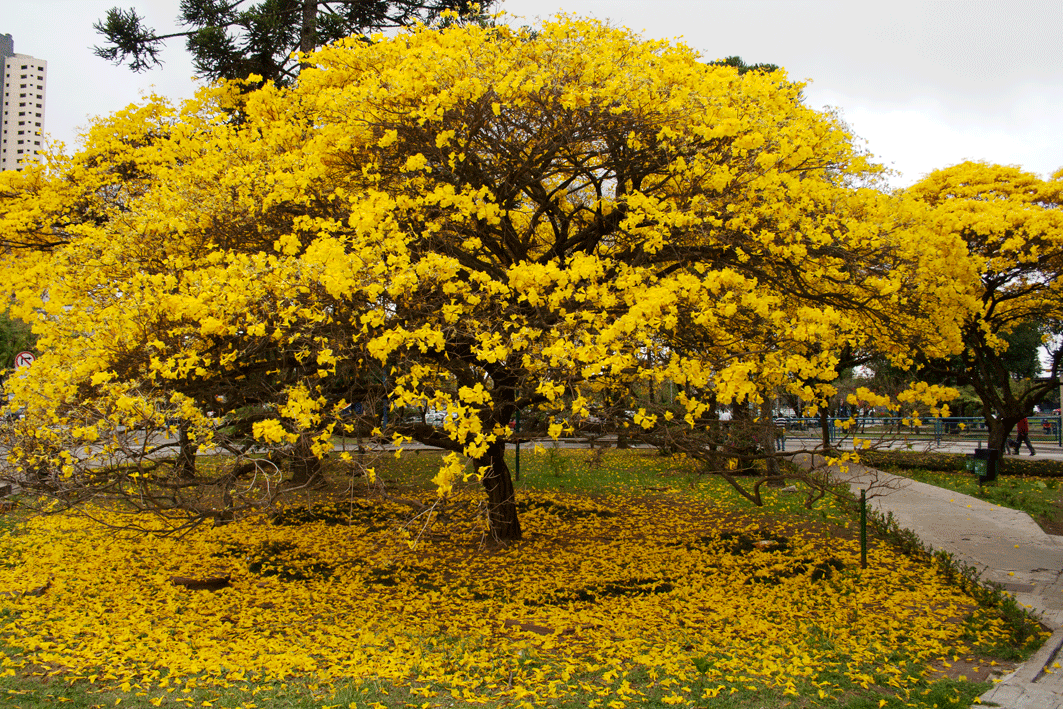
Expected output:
(639, 584)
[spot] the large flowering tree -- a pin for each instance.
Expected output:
(481, 220)
(1012, 226)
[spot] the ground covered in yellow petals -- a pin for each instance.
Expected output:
(614, 599)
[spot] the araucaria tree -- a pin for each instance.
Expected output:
(234, 39)
(1012, 225)
(480, 220)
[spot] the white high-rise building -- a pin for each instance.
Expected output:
(22, 86)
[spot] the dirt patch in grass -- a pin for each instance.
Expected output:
(1053, 523)
(970, 668)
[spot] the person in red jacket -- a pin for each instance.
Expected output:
(1023, 436)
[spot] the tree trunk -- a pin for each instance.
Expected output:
(824, 427)
(999, 428)
(185, 465)
(767, 442)
(501, 499)
(308, 27)
(744, 439)
(305, 466)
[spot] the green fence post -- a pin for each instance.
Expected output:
(516, 430)
(863, 529)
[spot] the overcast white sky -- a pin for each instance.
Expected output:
(925, 84)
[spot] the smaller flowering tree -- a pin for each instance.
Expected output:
(1012, 226)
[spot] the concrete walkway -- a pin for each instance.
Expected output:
(1008, 548)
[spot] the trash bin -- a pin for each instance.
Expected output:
(984, 463)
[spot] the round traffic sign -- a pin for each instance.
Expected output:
(24, 359)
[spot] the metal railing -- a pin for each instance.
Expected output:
(1044, 428)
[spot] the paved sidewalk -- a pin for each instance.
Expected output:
(1008, 548)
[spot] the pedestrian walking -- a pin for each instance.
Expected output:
(1022, 431)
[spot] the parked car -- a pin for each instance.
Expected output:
(435, 417)
(349, 410)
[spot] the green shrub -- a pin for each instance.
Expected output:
(909, 460)
(957, 462)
